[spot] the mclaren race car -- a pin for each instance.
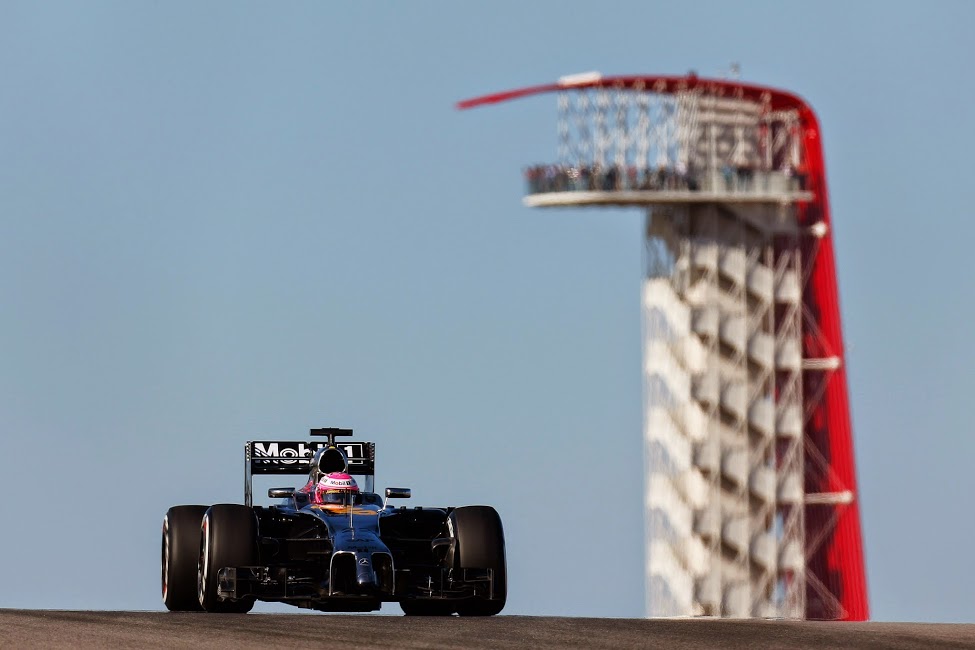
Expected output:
(349, 552)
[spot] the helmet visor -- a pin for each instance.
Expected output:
(336, 497)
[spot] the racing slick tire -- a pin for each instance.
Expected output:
(228, 539)
(180, 553)
(479, 544)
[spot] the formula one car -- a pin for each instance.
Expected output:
(348, 555)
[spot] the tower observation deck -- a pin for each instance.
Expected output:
(750, 498)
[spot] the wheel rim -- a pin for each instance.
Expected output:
(165, 558)
(203, 564)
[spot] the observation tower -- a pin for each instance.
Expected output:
(751, 505)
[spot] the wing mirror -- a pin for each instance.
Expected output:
(281, 493)
(396, 493)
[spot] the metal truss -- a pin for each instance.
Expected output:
(644, 128)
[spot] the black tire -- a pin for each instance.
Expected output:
(427, 607)
(479, 544)
(180, 553)
(228, 538)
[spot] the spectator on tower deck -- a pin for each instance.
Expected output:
(631, 178)
(746, 174)
(645, 179)
(531, 179)
(573, 178)
(728, 173)
(660, 178)
(549, 182)
(596, 177)
(680, 170)
(693, 181)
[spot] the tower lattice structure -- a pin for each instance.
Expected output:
(750, 497)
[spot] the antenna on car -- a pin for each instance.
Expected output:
(351, 499)
(331, 432)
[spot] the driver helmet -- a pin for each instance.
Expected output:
(336, 488)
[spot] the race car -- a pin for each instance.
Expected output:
(350, 553)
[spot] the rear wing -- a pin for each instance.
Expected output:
(293, 457)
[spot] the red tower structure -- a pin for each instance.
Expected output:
(751, 154)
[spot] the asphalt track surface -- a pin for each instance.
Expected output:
(85, 629)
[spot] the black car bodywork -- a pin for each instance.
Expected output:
(348, 558)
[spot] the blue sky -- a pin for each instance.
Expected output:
(227, 221)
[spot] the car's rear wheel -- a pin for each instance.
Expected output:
(180, 553)
(427, 607)
(479, 544)
(228, 539)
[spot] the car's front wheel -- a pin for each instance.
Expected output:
(228, 539)
(479, 544)
(180, 553)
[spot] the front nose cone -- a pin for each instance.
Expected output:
(365, 575)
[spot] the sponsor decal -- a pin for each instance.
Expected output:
(356, 453)
(284, 453)
(333, 484)
(334, 509)
(294, 453)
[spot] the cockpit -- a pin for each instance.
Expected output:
(330, 485)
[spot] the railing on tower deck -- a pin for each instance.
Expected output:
(543, 179)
